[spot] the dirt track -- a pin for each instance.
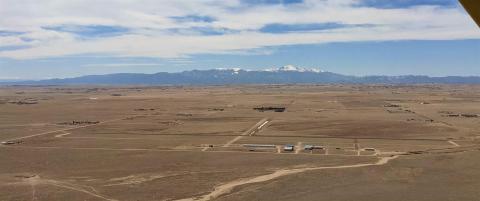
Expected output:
(169, 130)
(255, 128)
(228, 187)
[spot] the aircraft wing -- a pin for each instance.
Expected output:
(473, 8)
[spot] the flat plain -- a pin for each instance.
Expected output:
(146, 143)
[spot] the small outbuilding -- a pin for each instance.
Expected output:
(289, 148)
(308, 147)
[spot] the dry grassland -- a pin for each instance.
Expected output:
(372, 142)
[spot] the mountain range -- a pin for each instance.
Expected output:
(283, 75)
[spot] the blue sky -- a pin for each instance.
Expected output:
(41, 40)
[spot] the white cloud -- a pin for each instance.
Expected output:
(9, 78)
(150, 23)
(122, 64)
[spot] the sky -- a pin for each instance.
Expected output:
(58, 39)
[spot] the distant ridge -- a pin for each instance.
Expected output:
(283, 75)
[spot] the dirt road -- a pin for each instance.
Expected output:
(453, 143)
(65, 129)
(255, 128)
(228, 187)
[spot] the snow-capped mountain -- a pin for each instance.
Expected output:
(233, 70)
(283, 75)
(286, 68)
(291, 68)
